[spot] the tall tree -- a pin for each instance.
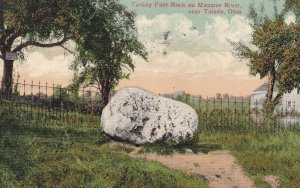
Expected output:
(274, 56)
(294, 6)
(40, 23)
(105, 48)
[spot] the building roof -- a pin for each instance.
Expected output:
(264, 87)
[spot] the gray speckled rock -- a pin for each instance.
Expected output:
(140, 117)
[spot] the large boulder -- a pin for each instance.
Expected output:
(140, 117)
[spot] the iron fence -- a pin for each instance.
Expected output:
(50, 104)
(55, 105)
(239, 114)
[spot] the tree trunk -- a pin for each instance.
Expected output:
(271, 83)
(105, 90)
(269, 105)
(7, 79)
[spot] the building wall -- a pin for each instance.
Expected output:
(289, 101)
(257, 99)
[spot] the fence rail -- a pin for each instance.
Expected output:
(238, 114)
(51, 104)
(56, 105)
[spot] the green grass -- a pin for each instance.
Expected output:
(48, 115)
(264, 154)
(79, 155)
(76, 156)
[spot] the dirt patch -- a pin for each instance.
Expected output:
(273, 181)
(218, 167)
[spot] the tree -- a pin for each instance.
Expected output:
(60, 93)
(294, 6)
(275, 55)
(225, 96)
(184, 97)
(104, 49)
(218, 96)
(40, 23)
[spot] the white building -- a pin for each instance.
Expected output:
(290, 102)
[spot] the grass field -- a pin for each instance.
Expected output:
(44, 114)
(79, 155)
(75, 156)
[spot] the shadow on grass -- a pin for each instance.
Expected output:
(81, 134)
(168, 149)
(21, 145)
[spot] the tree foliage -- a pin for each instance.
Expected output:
(40, 23)
(274, 54)
(105, 48)
(294, 6)
(26, 23)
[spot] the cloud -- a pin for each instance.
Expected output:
(204, 64)
(184, 36)
(38, 64)
(290, 19)
(220, 29)
(43, 63)
(190, 52)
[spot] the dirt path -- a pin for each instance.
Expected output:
(218, 167)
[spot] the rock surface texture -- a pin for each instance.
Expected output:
(140, 117)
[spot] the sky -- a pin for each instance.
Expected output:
(195, 58)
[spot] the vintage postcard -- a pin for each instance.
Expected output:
(150, 93)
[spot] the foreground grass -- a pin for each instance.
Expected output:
(264, 154)
(81, 156)
(61, 156)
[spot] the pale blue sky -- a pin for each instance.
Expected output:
(198, 20)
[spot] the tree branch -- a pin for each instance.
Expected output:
(67, 49)
(38, 44)
(4, 36)
(11, 39)
(124, 66)
(277, 98)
